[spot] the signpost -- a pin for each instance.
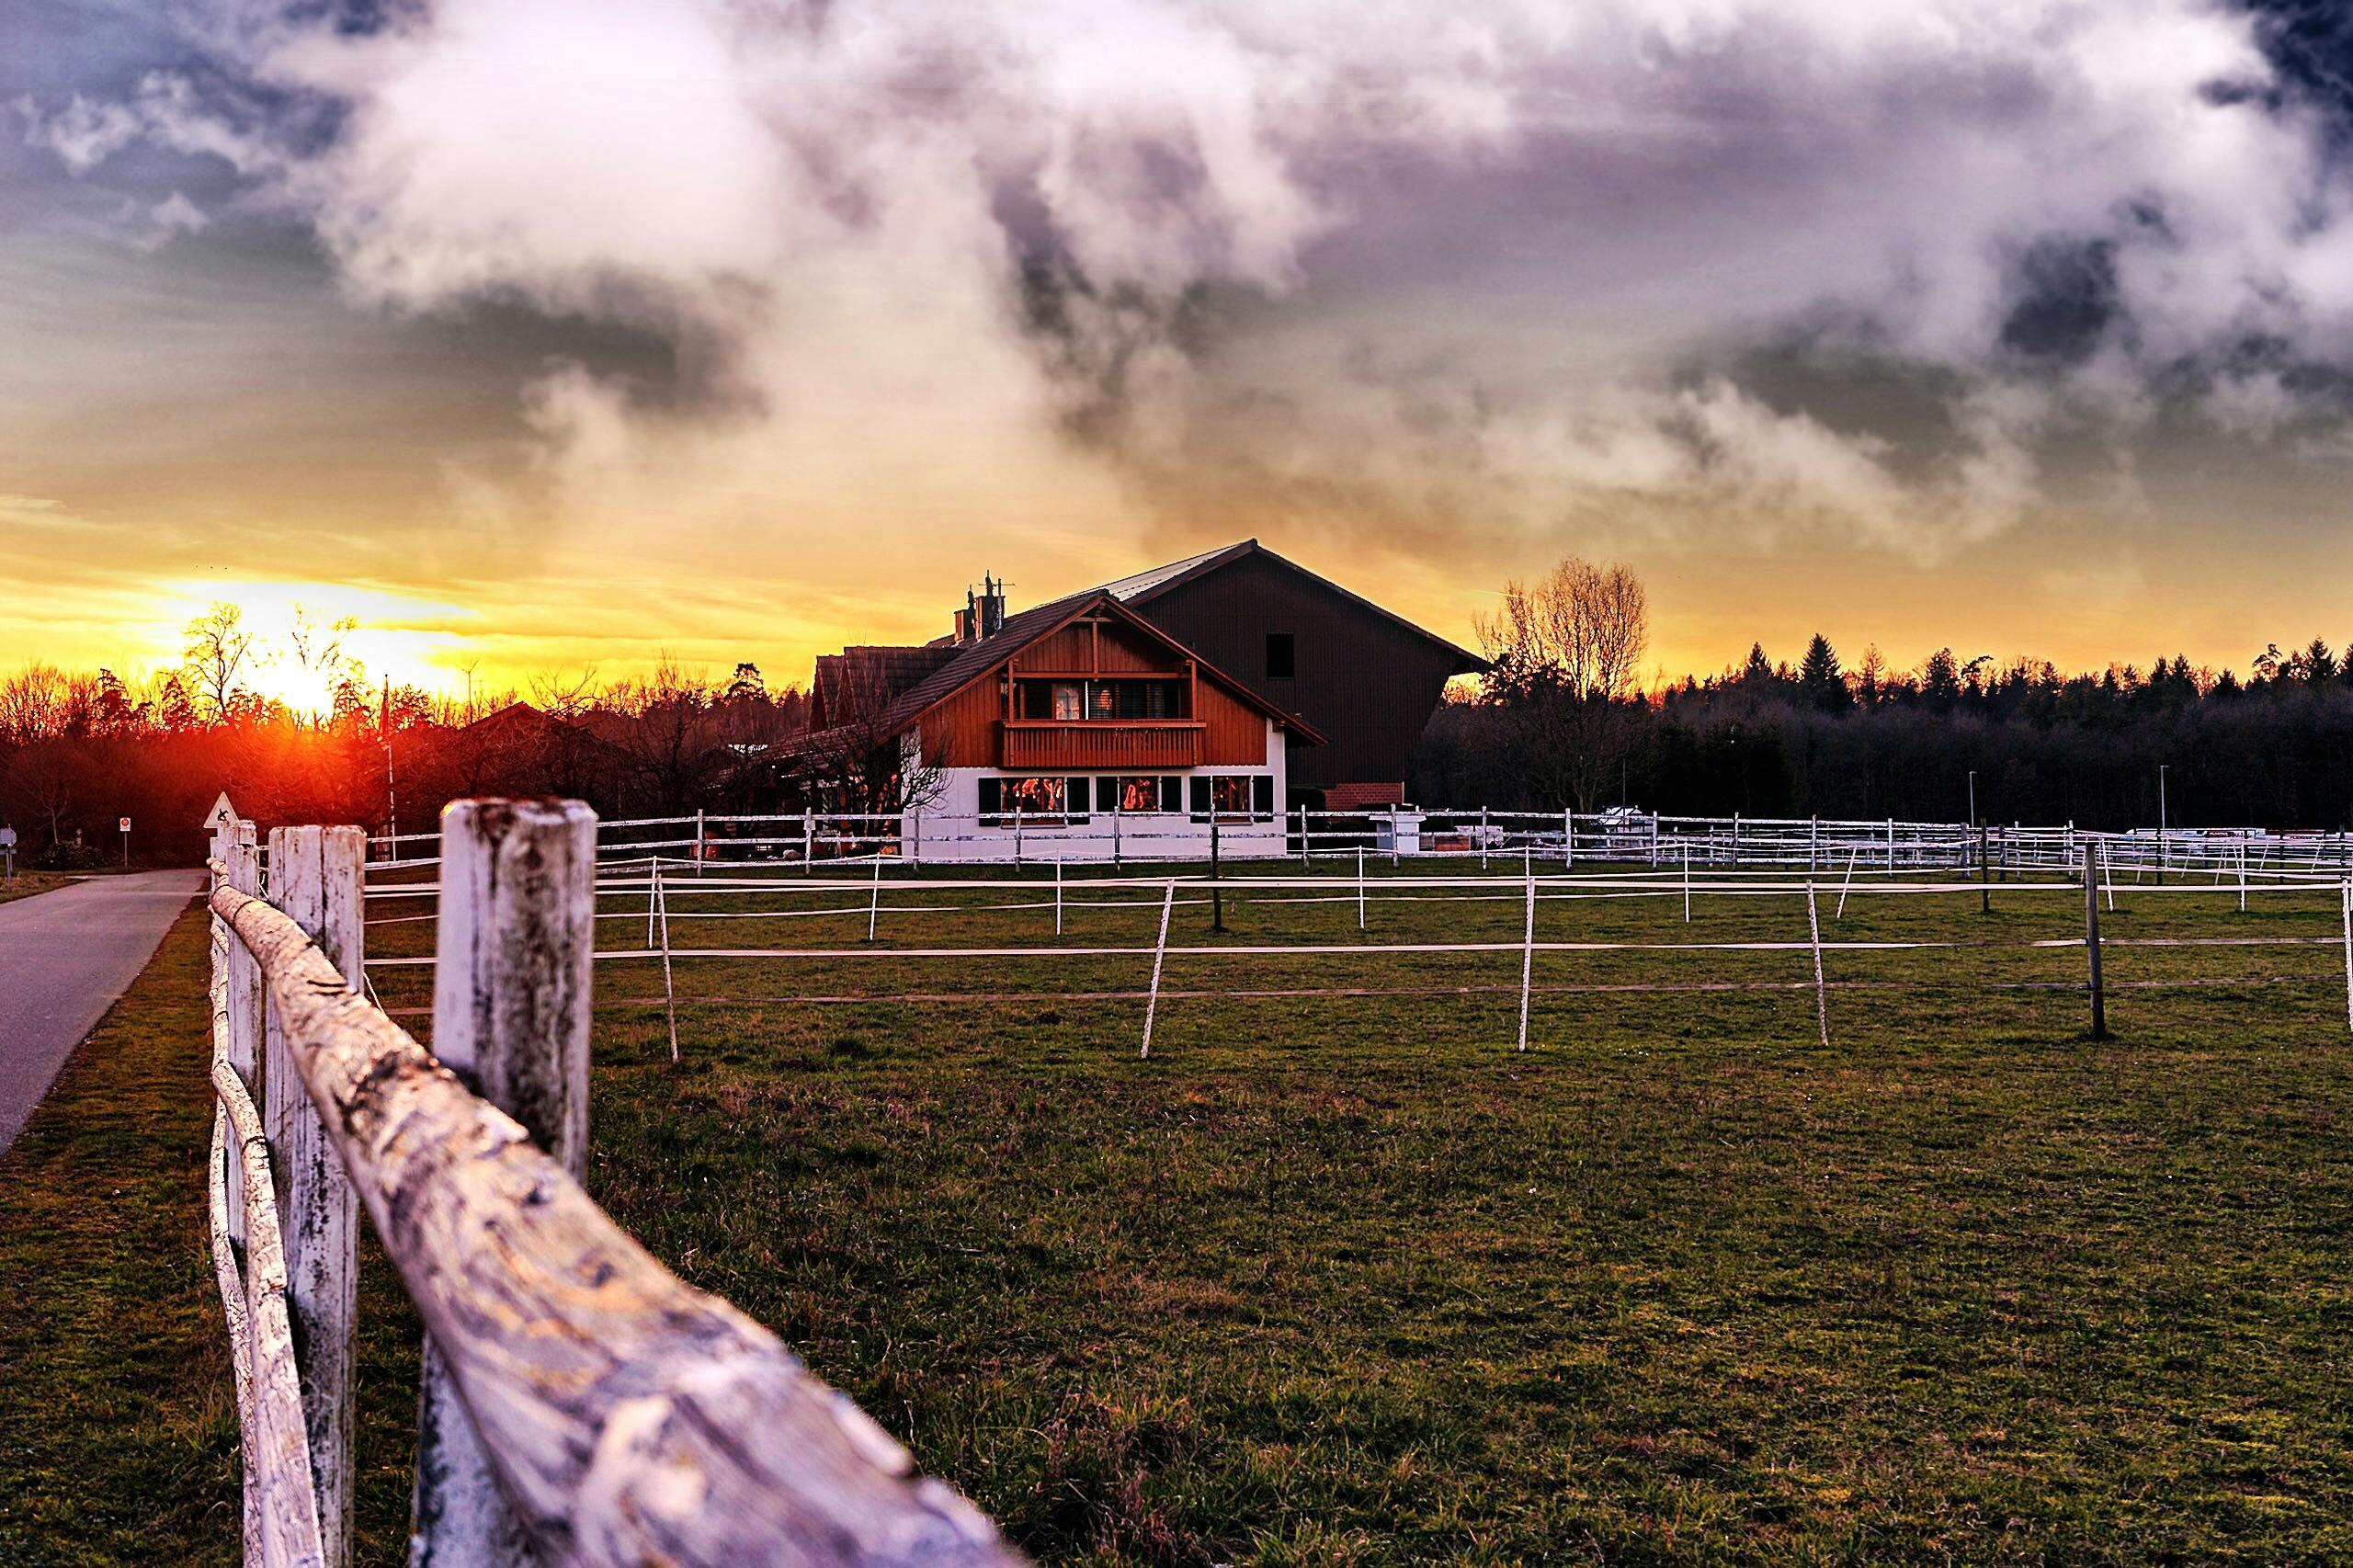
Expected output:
(8, 853)
(124, 824)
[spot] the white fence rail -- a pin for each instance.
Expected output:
(1819, 845)
(581, 1404)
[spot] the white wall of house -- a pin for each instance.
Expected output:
(949, 826)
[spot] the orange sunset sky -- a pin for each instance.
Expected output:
(534, 335)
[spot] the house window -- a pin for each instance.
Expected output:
(1070, 701)
(1280, 659)
(1149, 795)
(1032, 801)
(1237, 796)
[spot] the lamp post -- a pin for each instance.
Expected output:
(2161, 825)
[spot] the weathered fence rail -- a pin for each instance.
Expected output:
(581, 1404)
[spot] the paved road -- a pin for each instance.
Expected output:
(64, 957)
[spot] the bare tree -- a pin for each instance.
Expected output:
(34, 705)
(672, 742)
(218, 651)
(863, 762)
(563, 695)
(1580, 627)
(1565, 658)
(46, 780)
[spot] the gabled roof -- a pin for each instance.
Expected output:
(972, 661)
(870, 672)
(1145, 586)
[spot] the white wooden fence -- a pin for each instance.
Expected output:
(580, 1404)
(1397, 834)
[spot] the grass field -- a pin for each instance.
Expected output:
(25, 884)
(1346, 1278)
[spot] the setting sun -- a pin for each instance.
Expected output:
(308, 638)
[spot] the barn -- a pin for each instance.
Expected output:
(1363, 677)
(1148, 712)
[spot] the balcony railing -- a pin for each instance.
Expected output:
(1102, 742)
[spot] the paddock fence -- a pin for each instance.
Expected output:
(923, 931)
(579, 1402)
(810, 839)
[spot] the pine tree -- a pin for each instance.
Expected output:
(1820, 679)
(1940, 678)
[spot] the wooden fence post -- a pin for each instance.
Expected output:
(2091, 939)
(2344, 905)
(510, 1018)
(245, 1009)
(1526, 959)
(314, 878)
(1159, 956)
(1984, 872)
(1821, 993)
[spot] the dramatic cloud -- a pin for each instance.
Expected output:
(1482, 276)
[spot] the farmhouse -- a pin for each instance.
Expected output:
(1135, 718)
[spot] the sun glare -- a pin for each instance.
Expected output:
(390, 635)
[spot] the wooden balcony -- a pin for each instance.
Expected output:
(1046, 744)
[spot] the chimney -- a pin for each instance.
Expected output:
(983, 613)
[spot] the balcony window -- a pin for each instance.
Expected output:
(1127, 701)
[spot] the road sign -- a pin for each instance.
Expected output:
(124, 825)
(8, 838)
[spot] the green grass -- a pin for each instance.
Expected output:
(118, 1420)
(25, 884)
(1339, 1279)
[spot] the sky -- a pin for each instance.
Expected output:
(540, 334)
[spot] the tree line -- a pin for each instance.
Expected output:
(1550, 726)
(1561, 718)
(79, 749)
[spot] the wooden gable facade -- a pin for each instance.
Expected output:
(1100, 689)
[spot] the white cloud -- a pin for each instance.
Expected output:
(82, 134)
(1484, 268)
